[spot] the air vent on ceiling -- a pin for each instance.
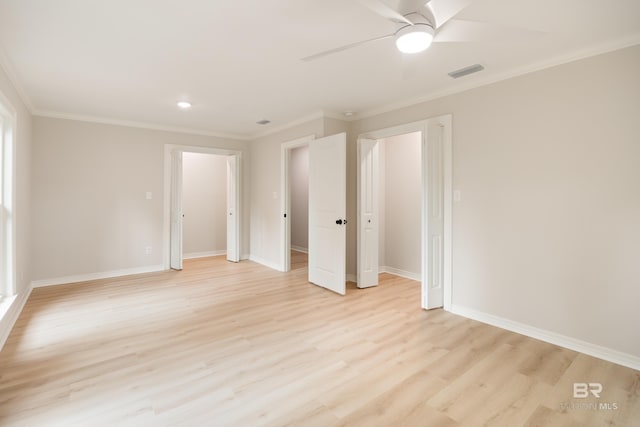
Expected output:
(466, 71)
(263, 122)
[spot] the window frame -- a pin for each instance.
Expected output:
(8, 122)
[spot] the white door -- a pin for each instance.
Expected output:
(368, 227)
(233, 223)
(176, 211)
(327, 212)
(434, 196)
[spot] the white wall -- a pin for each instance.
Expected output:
(547, 231)
(89, 185)
(22, 183)
(400, 204)
(299, 182)
(204, 204)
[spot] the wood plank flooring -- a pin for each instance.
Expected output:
(223, 344)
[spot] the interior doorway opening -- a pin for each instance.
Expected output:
(173, 253)
(299, 196)
(327, 219)
(294, 160)
(432, 150)
(400, 226)
(204, 195)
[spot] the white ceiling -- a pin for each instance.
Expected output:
(239, 61)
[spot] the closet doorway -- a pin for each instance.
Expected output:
(404, 228)
(204, 207)
(294, 158)
(173, 196)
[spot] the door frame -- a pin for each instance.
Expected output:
(285, 200)
(421, 126)
(169, 150)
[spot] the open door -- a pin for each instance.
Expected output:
(368, 227)
(327, 212)
(176, 211)
(434, 196)
(233, 226)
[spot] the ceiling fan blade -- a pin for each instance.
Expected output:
(384, 10)
(410, 6)
(458, 30)
(444, 10)
(341, 48)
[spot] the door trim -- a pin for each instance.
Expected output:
(169, 149)
(421, 126)
(285, 205)
(364, 279)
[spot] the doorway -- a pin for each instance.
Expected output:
(434, 231)
(294, 159)
(174, 195)
(204, 195)
(326, 206)
(400, 194)
(299, 212)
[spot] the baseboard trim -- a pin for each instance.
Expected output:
(299, 249)
(194, 255)
(10, 316)
(352, 278)
(264, 262)
(96, 276)
(590, 349)
(401, 273)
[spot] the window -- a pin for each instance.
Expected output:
(7, 251)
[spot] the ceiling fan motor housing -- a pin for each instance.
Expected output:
(417, 37)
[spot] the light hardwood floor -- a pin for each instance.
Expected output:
(222, 344)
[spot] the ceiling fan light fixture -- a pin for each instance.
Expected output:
(414, 38)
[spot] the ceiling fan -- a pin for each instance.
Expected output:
(421, 22)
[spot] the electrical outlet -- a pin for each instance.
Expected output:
(148, 250)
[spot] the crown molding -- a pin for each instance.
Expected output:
(594, 50)
(9, 70)
(575, 55)
(140, 125)
(304, 119)
(341, 116)
(320, 114)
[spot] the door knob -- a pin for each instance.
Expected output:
(338, 221)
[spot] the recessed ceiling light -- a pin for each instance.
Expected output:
(348, 113)
(183, 104)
